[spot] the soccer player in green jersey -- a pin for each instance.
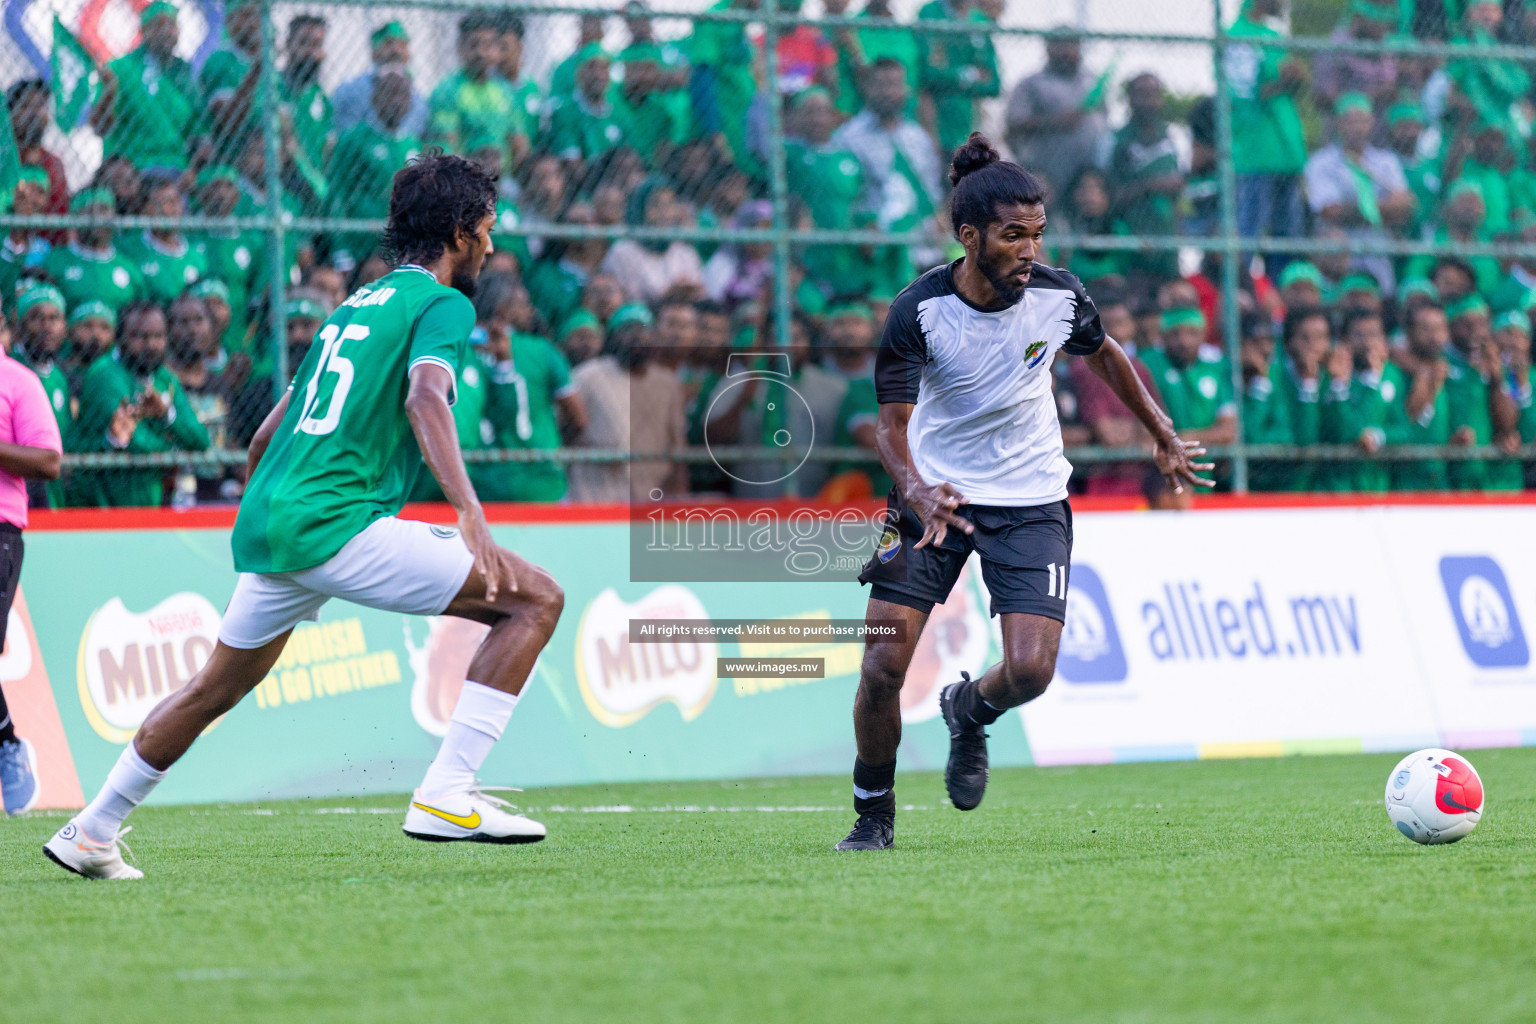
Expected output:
(329, 470)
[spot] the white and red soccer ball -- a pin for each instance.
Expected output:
(1434, 796)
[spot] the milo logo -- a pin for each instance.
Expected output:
(130, 661)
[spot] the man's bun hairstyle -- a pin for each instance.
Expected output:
(983, 181)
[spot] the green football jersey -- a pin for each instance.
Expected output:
(83, 274)
(1195, 395)
(166, 270)
(520, 409)
(344, 454)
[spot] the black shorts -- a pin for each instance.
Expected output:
(1025, 552)
(10, 572)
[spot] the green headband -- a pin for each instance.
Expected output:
(1375, 12)
(631, 313)
(1418, 286)
(217, 172)
(857, 309)
(39, 295)
(1405, 112)
(1513, 318)
(638, 52)
(211, 287)
(1189, 317)
(1301, 270)
(1359, 283)
(1466, 306)
(1352, 101)
(810, 92)
(592, 51)
(302, 308)
(156, 10)
(33, 176)
(578, 320)
(93, 197)
(388, 30)
(93, 309)
(1460, 187)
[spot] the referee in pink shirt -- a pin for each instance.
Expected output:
(29, 450)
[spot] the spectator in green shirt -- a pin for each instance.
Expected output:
(306, 111)
(527, 99)
(1144, 175)
(829, 179)
(92, 329)
(1268, 147)
(1307, 337)
(529, 402)
(167, 260)
(366, 158)
(1512, 334)
(40, 332)
(1426, 413)
(228, 69)
(89, 266)
(149, 103)
(859, 49)
(653, 123)
(130, 401)
(590, 29)
(723, 81)
(1480, 409)
(234, 258)
(24, 249)
(1463, 216)
(1194, 378)
(475, 101)
(1265, 419)
(584, 125)
(957, 70)
(1364, 405)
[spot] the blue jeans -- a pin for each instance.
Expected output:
(1270, 204)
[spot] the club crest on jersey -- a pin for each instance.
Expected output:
(1034, 353)
(444, 532)
(890, 543)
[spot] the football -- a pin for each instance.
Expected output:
(1434, 796)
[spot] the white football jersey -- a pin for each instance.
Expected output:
(984, 418)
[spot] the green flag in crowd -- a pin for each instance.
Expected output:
(76, 80)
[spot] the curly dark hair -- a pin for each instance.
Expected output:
(435, 198)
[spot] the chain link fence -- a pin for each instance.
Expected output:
(1310, 223)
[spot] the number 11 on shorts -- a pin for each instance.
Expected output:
(1056, 585)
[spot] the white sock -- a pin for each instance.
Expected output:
(128, 783)
(479, 719)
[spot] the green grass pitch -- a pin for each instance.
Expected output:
(1267, 890)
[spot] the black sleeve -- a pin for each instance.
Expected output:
(903, 351)
(1087, 335)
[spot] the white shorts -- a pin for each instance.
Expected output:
(393, 565)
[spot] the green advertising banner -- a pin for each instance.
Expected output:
(359, 700)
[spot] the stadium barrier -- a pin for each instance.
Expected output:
(1198, 635)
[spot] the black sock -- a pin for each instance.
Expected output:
(970, 706)
(7, 727)
(874, 787)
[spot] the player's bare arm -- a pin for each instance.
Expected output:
(426, 405)
(264, 434)
(934, 504)
(1173, 455)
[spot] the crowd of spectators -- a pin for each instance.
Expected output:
(160, 341)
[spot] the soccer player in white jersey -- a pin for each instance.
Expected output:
(329, 470)
(968, 431)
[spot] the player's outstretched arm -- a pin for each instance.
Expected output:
(934, 504)
(426, 406)
(1172, 455)
(265, 433)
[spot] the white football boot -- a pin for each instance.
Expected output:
(73, 850)
(472, 816)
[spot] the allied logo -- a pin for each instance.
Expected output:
(1484, 611)
(890, 543)
(1035, 353)
(1090, 650)
(622, 682)
(130, 661)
